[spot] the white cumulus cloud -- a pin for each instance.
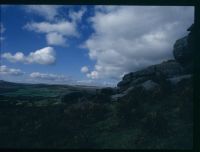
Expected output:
(93, 75)
(62, 27)
(49, 12)
(56, 33)
(55, 38)
(84, 69)
(4, 70)
(128, 38)
(43, 56)
(59, 26)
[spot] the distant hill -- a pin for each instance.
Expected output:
(8, 83)
(26, 89)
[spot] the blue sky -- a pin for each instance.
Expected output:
(92, 45)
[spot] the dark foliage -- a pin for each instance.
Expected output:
(155, 124)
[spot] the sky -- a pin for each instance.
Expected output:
(86, 45)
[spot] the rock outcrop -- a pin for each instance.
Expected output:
(184, 50)
(178, 79)
(149, 85)
(171, 71)
(167, 69)
(181, 51)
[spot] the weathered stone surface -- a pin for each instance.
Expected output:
(184, 50)
(138, 81)
(115, 97)
(177, 79)
(149, 85)
(181, 50)
(166, 69)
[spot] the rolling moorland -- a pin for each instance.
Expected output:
(149, 109)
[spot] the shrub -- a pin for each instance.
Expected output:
(130, 110)
(72, 97)
(155, 123)
(107, 91)
(86, 112)
(101, 98)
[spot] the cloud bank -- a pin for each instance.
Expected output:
(44, 56)
(4, 70)
(48, 77)
(128, 38)
(56, 33)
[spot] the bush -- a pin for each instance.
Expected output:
(101, 98)
(130, 110)
(72, 97)
(107, 91)
(155, 123)
(86, 112)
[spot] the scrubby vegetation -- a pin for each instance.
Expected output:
(140, 120)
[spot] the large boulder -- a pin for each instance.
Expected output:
(149, 85)
(181, 51)
(166, 69)
(184, 49)
(176, 80)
